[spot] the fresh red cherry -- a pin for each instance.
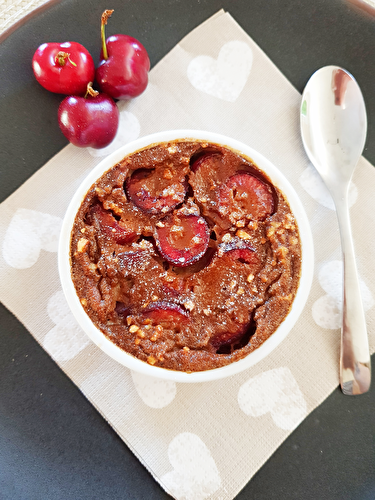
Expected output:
(90, 121)
(124, 65)
(63, 68)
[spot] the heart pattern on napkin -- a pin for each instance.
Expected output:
(276, 392)
(314, 185)
(66, 339)
(156, 393)
(195, 475)
(28, 233)
(226, 76)
(327, 310)
(128, 130)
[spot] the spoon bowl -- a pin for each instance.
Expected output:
(333, 129)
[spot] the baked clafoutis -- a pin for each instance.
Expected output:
(185, 255)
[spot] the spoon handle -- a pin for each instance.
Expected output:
(355, 362)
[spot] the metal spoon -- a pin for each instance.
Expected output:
(333, 128)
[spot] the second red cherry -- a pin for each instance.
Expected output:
(124, 65)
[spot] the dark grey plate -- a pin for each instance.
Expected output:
(53, 443)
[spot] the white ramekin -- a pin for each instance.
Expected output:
(128, 360)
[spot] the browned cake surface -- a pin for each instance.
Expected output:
(186, 256)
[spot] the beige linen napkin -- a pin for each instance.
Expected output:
(203, 440)
(12, 11)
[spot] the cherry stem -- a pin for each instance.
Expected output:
(90, 91)
(105, 16)
(62, 57)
